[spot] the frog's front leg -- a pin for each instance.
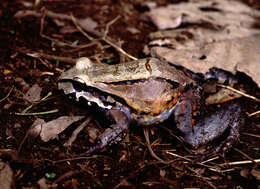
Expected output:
(115, 133)
(208, 127)
(214, 125)
(188, 107)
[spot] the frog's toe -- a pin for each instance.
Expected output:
(214, 125)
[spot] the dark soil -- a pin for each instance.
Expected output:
(125, 165)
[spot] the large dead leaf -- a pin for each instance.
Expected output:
(6, 176)
(223, 14)
(219, 34)
(51, 129)
(233, 55)
(195, 37)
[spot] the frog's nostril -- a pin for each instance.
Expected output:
(203, 57)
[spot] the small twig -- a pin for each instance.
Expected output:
(240, 92)
(222, 171)
(104, 38)
(42, 23)
(146, 134)
(74, 20)
(50, 57)
(254, 113)
(79, 47)
(109, 24)
(198, 175)
(198, 163)
(47, 73)
(253, 135)
(56, 15)
(245, 155)
(241, 162)
(37, 113)
(178, 138)
(178, 156)
(69, 44)
(119, 49)
(24, 13)
(8, 94)
(48, 95)
(45, 63)
(47, 37)
(66, 176)
(209, 160)
(77, 131)
(29, 107)
(71, 159)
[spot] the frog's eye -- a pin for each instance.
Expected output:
(84, 79)
(83, 63)
(78, 79)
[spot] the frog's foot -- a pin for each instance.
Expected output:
(214, 125)
(112, 135)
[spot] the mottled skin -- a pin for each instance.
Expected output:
(147, 92)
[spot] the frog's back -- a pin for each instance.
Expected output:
(140, 69)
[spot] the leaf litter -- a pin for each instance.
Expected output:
(51, 130)
(187, 35)
(218, 34)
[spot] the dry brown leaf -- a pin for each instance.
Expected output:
(244, 173)
(133, 30)
(223, 95)
(218, 34)
(6, 176)
(35, 129)
(51, 129)
(89, 25)
(196, 37)
(240, 54)
(256, 173)
(227, 15)
(33, 94)
(43, 184)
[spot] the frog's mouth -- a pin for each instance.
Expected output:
(80, 92)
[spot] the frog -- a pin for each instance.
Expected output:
(147, 92)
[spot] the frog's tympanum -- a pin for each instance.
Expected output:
(146, 92)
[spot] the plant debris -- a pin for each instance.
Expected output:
(219, 34)
(42, 39)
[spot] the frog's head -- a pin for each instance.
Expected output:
(77, 83)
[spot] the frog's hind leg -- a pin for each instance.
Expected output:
(112, 135)
(214, 125)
